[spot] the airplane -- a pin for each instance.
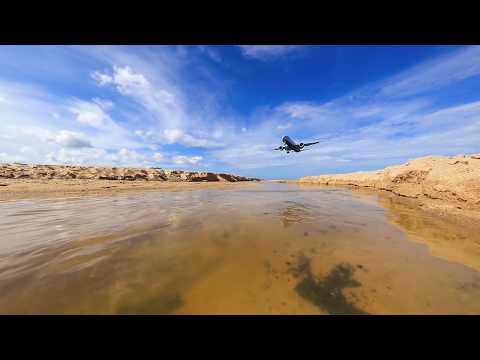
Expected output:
(291, 145)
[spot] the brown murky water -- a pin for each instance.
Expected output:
(267, 248)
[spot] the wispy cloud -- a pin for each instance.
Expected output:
(435, 74)
(181, 160)
(160, 100)
(211, 53)
(284, 126)
(164, 104)
(173, 136)
(267, 52)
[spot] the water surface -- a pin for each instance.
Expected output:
(266, 248)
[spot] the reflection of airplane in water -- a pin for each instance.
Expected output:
(290, 145)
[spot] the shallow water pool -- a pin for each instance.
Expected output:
(266, 248)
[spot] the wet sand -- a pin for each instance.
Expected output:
(252, 248)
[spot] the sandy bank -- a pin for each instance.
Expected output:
(19, 181)
(446, 184)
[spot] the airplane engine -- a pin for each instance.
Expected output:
(301, 145)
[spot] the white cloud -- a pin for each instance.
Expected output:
(170, 112)
(71, 139)
(161, 100)
(181, 160)
(26, 149)
(192, 141)
(103, 103)
(283, 127)
(158, 157)
(101, 79)
(4, 157)
(129, 82)
(80, 156)
(267, 52)
(97, 157)
(44, 123)
(173, 135)
(366, 111)
(90, 113)
(127, 156)
(304, 110)
(177, 136)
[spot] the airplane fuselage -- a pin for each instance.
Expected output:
(291, 145)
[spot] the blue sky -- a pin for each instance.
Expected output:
(224, 108)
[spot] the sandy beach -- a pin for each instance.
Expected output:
(22, 181)
(448, 186)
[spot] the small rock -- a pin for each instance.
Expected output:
(458, 162)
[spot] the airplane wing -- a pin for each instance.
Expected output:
(279, 148)
(312, 143)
